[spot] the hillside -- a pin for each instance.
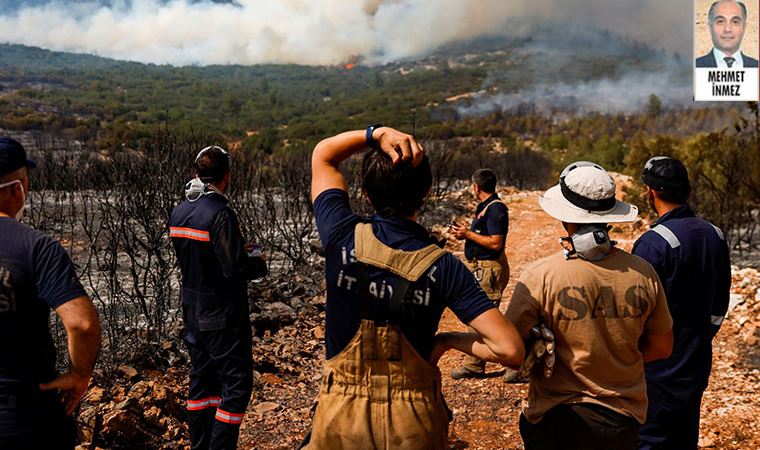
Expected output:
(83, 94)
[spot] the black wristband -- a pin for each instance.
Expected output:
(371, 142)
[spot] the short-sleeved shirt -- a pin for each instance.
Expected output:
(692, 259)
(598, 311)
(494, 221)
(448, 282)
(36, 275)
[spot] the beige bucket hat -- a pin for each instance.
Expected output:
(586, 194)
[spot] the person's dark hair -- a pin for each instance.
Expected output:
(672, 196)
(395, 191)
(212, 165)
(711, 12)
(485, 179)
(669, 178)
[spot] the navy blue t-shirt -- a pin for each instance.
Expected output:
(448, 282)
(494, 221)
(36, 274)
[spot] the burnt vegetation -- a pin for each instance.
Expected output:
(115, 142)
(110, 208)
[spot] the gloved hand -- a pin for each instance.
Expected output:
(541, 349)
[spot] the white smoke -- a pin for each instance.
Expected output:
(313, 32)
(629, 93)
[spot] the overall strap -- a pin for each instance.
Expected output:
(370, 338)
(396, 303)
(368, 327)
(409, 265)
(483, 213)
(362, 286)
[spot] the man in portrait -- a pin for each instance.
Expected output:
(727, 20)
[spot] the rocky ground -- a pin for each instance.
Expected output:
(144, 409)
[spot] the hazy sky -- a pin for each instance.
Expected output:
(312, 31)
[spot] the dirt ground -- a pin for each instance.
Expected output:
(486, 410)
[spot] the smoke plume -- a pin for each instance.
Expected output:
(312, 32)
(628, 93)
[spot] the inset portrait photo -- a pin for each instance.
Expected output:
(725, 50)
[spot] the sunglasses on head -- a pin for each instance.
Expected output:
(211, 147)
(650, 163)
(576, 165)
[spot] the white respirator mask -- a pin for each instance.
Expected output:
(196, 188)
(590, 243)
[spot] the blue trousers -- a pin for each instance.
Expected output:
(672, 418)
(221, 382)
(34, 420)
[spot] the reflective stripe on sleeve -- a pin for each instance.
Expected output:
(228, 417)
(668, 235)
(720, 233)
(716, 320)
(208, 402)
(189, 233)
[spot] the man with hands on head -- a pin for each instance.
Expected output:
(37, 275)
(388, 284)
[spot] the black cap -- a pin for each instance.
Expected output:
(13, 156)
(663, 173)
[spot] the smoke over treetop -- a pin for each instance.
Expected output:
(204, 32)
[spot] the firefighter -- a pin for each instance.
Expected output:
(37, 275)
(388, 284)
(484, 250)
(691, 258)
(215, 266)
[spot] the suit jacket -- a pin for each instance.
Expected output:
(708, 60)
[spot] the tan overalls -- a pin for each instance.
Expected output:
(379, 393)
(493, 276)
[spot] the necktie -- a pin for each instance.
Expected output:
(729, 61)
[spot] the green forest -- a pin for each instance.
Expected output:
(268, 111)
(104, 102)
